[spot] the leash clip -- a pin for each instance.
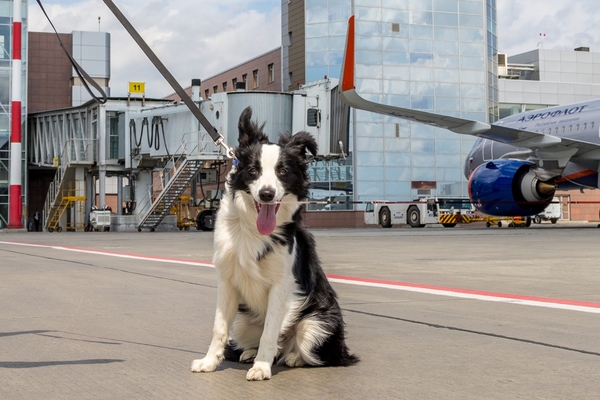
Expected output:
(228, 150)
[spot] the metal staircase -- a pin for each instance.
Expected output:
(69, 196)
(182, 171)
(65, 190)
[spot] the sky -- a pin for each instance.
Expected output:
(201, 38)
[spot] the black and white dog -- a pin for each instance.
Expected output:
(273, 298)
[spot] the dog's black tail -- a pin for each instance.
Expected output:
(232, 352)
(347, 359)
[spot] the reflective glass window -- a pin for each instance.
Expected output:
(316, 58)
(368, 13)
(421, 31)
(470, 21)
(397, 174)
(397, 159)
(471, 7)
(421, 59)
(445, 5)
(318, 30)
(317, 73)
(368, 43)
(445, 33)
(395, 44)
(446, 104)
(445, 19)
(447, 146)
(316, 15)
(445, 47)
(390, 58)
(339, 14)
(422, 102)
(370, 173)
(446, 61)
(423, 174)
(400, 16)
(421, 88)
(367, 159)
(419, 4)
(420, 17)
(316, 44)
(396, 87)
(395, 72)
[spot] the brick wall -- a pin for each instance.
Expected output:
(49, 80)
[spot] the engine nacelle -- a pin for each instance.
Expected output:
(509, 188)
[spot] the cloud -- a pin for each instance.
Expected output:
(567, 25)
(192, 38)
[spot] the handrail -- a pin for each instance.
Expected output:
(169, 170)
(74, 150)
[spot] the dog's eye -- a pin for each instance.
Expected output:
(282, 171)
(252, 171)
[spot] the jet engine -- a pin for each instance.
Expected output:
(509, 188)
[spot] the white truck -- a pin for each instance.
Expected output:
(447, 211)
(552, 213)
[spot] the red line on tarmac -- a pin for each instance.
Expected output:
(572, 305)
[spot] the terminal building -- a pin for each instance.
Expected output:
(439, 56)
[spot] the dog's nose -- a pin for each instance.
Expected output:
(266, 194)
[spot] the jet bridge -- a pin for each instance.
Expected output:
(155, 150)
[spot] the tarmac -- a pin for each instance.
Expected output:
(434, 313)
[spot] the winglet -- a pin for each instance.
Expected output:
(348, 63)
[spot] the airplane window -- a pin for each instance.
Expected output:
(563, 129)
(592, 125)
(570, 128)
(577, 127)
(585, 126)
(556, 131)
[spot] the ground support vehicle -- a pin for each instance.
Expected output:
(183, 209)
(552, 213)
(207, 213)
(512, 222)
(429, 210)
(100, 220)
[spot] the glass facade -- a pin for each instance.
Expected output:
(6, 13)
(432, 55)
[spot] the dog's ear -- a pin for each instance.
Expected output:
(250, 132)
(301, 142)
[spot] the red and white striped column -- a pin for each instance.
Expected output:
(15, 217)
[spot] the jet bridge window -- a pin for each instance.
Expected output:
(313, 117)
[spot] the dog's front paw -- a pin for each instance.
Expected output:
(206, 364)
(260, 371)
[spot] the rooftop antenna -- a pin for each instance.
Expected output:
(98, 23)
(541, 42)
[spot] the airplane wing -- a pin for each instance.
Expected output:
(545, 147)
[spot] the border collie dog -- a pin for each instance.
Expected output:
(274, 303)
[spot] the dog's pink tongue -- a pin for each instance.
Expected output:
(267, 219)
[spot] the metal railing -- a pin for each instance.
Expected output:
(75, 151)
(169, 171)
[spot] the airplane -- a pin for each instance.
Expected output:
(518, 162)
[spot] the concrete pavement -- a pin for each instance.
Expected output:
(462, 313)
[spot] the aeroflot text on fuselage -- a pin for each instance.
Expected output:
(552, 114)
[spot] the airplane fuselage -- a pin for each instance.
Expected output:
(580, 121)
